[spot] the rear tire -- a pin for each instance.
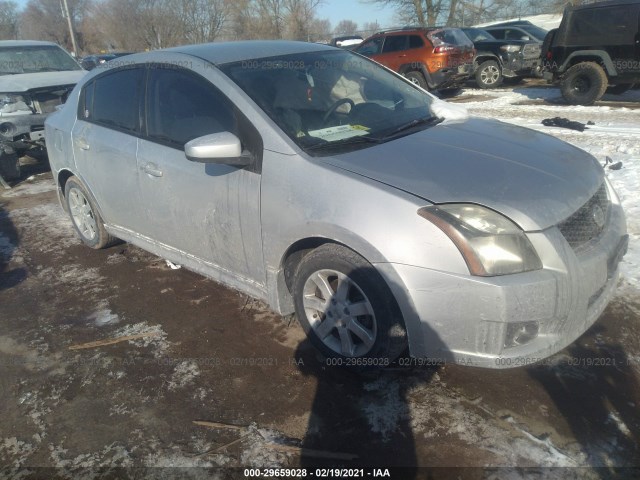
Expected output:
(85, 217)
(417, 78)
(9, 165)
(346, 308)
(584, 84)
(489, 74)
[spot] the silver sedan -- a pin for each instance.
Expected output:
(324, 184)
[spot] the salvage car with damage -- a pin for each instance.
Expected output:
(35, 77)
(324, 184)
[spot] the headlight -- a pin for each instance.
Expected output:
(11, 103)
(490, 243)
(510, 48)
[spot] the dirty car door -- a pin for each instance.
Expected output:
(206, 210)
(105, 143)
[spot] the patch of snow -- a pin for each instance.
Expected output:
(546, 20)
(184, 374)
(157, 338)
(30, 189)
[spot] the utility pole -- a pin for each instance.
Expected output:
(73, 35)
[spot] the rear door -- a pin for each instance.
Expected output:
(394, 51)
(105, 142)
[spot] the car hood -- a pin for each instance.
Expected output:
(23, 82)
(532, 178)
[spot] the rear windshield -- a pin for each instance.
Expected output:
(33, 59)
(450, 36)
(477, 34)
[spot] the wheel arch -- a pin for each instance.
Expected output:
(598, 56)
(294, 254)
(62, 178)
(417, 67)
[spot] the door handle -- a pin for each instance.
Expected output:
(152, 169)
(82, 144)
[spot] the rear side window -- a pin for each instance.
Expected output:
(602, 26)
(415, 41)
(395, 43)
(113, 100)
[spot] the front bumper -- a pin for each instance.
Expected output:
(470, 320)
(29, 126)
(517, 66)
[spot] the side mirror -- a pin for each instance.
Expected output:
(222, 148)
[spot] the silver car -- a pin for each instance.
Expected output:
(324, 184)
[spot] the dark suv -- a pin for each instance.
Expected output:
(433, 58)
(499, 59)
(596, 45)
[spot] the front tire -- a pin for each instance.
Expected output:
(346, 308)
(85, 217)
(584, 84)
(489, 74)
(9, 165)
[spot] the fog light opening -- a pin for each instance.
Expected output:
(520, 333)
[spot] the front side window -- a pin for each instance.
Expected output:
(182, 106)
(113, 100)
(333, 101)
(370, 47)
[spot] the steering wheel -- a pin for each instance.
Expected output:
(334, 107)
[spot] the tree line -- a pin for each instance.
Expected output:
(136, 25)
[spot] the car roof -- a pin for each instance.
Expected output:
(606, 3)
(228, 52)
(25, 43)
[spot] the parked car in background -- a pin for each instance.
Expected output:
(596, 46)
(347, 41)
(35, 77)
(517, 30)
(499, 59)
(322, 183)
(433, 58)
(92, 61)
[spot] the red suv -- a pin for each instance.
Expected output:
(434, 58)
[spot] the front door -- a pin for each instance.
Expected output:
(208, 211)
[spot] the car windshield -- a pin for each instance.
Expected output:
(478, 35)
(25, 59)
(334, 101)
(537, 32)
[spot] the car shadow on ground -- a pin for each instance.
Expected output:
(362, 415)
(9, 277)
(596, 391)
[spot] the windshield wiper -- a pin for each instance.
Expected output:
(424, 121)
(344, 141)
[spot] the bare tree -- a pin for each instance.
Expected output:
(320, 30)
(203, 20)
(370, 28)
(8, 20)
(300, 16)
(44, 20)
(346, 27)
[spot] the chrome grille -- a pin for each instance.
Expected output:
(589, 221)
(531, 50)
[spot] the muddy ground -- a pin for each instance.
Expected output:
(202, 352)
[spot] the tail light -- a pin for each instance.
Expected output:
(445, 49)
(549, 55)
